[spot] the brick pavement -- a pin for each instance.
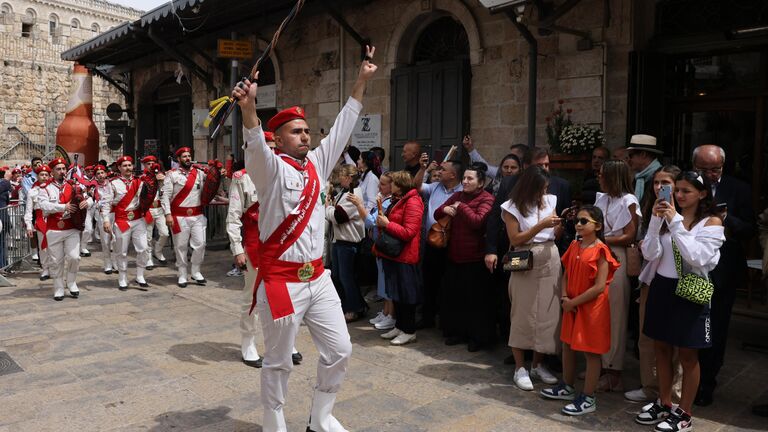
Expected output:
(168, 359)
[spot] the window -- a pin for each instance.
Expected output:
(75, 23)
(95, 28)
(5, 9)
(53, 22)
(26, 30)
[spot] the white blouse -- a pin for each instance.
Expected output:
(616, 212)
(699, 247)
(370, 188)
(527, 222)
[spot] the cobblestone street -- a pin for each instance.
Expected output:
(169, 359)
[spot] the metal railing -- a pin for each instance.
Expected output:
(14, 243)
(217, 222)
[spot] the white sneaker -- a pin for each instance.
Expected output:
(385, 324)
(541, 373)
(637, 395)
(35, 256)
(391, 334)
(403, 338)
(522, 380)
(235, 272)
(377, 318)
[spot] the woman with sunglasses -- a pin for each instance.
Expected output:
(622, 217)
(678, 244)
(533, 225)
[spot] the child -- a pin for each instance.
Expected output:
(589, 268)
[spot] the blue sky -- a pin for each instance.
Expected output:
(145, 5)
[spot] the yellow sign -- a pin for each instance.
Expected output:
(229, 48)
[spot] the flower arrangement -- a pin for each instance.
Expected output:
(580, 138)
(560, 119)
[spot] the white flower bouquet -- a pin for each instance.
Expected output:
(580, 138)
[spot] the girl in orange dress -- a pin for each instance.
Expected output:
(586, 327)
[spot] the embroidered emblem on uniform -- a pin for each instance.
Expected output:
(298, 110)
(306, 272)
(60, 224)
(189, 212)
(130, 215)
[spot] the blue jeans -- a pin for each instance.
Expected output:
(343, 270)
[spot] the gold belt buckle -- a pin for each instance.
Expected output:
(189, 212)
(306, 272)
(130, 215)
(60, 224)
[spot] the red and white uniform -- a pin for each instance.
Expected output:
(156, 219)
(107, 240)
(37, 224)
(62, 238)
(315, 302)
(180, 198)
(122, 200)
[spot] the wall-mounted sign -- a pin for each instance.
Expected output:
(267, 97)
(239, 49)
(367, 132)
(10, 119)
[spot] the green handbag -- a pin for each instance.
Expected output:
(690, 286)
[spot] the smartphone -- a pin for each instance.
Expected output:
(665, 193)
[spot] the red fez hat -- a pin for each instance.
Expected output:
(42, 168)
(182, 150)
(58, 161)
(269, 136)
(285, 116)
(147, 159)
(99, 167)
(122, 159)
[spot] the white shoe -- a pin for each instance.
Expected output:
(385, 324)
(248, 348)
(391, 334)
(403, 338)
(35, 256)
(84, 251)
(637, 395)
(235, 272)
(522, 380)
(122, 279)
(543, 374)
(320, 417)
(375, 320)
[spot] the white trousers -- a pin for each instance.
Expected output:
(107, 243)
(136, 233)
(248, 322)
(158, 220)
(318, 305)
(192, 235)
(87, 234)
(43, 254)
(64, 257)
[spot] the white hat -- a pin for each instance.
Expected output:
(644, 143)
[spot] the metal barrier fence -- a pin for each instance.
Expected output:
(14, 243)
(217, 221)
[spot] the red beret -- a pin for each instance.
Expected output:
(58, 161)
(285, 116)
(5, 168)
(150, 158)
(89, 168)
(99, 168)
(269, 136)
(122, 159)
(182, 150)
(16, 171)
(42, 168)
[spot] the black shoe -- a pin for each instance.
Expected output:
(254, 363)
(150, 267)
(161, 261)
(122, 288)
(473, 346)
(143, 285)
(75, 294)
(85, 254)
(108, 271)
(200, 281)
(58, 298)
(455, 340)
(425, 323)
(509, 360)
(703, 397)
(44, 278)
(297, 358)
(181, 285)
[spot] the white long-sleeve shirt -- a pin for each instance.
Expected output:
(110, 196)
(242, 195)
(369, 188)
(174, 181)
(31, 206)
(279, 185)
(48, 199)
(699, 248)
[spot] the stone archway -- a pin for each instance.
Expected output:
(413, 20)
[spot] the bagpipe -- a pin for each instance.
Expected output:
(78, 196)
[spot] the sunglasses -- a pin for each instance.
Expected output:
(584, 221)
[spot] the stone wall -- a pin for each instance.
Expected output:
(34, 81)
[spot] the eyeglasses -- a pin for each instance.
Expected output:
(584, 221)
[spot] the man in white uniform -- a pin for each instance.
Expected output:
(122, 200)
(242, 198)
(87, 234)
(104, 189)
(295, 285)
(155, 217)
(62, 238)
(34, 219)
(181, 202)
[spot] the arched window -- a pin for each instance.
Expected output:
(5, 9)
(95, 28)
(443, 39)
(30, 15)
(28, 23)
(53, 22)
(75, 24)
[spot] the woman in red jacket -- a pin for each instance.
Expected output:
(402, 277)
(467, 315)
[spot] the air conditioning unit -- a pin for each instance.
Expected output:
(496, 5)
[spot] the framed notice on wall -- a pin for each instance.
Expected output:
(367, 132)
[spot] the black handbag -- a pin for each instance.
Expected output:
(515, 261)
(388, 245)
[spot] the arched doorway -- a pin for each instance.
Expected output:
(164, 123)
(430, 93)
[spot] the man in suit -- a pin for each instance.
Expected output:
(733, 198)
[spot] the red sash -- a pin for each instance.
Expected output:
(276, 273)
(54, 220)
(176, 209)
(122, 217)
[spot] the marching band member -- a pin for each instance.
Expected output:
(155, 218)
(104, 189)
(292, 284)
(87, 182)
(60, 205)
(34, 219)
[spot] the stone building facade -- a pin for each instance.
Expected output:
(34, 80)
